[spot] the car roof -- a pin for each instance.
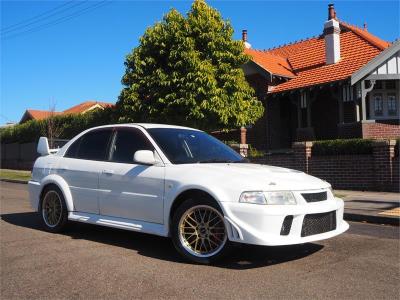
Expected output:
(147, 126)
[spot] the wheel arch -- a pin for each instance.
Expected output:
(187, 194)
(59, 182)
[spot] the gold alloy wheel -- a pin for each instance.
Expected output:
(202, 231)
(51, 209)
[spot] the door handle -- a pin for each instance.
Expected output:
(108, 172)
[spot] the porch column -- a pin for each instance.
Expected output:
(309, 112)
(357, 111)
(364, 92)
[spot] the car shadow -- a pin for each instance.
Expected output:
(242, 256)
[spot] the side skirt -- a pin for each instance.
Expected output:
(121, 223)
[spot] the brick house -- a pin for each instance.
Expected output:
(342, 84)
(33, 114)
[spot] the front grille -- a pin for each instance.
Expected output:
(315, 197)
(318, 223)
(286, 225)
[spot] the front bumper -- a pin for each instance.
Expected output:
(262, 224)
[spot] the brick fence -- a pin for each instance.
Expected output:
(18, 156)
(378, 171)
(369, 129)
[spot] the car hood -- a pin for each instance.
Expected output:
(246, 176)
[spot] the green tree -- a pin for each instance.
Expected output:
(187, 70)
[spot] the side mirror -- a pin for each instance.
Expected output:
(145, 157)
(43, 146)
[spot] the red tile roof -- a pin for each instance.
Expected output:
(381, 44)
(274, 64)
(85, 106)
(33, 114)
(41, 114)
(306, 59)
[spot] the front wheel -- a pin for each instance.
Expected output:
(199, 232)
(53, 210)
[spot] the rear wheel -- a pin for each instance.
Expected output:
(199, 232)
(53, 210)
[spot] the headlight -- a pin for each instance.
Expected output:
(271, 198)
(253, 197)
(280, 198)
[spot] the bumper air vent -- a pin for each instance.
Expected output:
(318, 223)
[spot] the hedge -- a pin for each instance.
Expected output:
(67, 126)
(340, 147)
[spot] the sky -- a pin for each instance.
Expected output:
(65, 52)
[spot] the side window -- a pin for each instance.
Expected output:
(127, 142)
(93, 145)
(73, 149)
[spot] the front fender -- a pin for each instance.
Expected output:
(172, 192)
(63, 186)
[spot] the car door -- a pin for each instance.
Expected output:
(127, 189)
(80, 167)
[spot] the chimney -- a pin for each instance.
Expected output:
(244, 39)
(332, 37)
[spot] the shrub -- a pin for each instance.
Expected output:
(253, 152)
(67, 126)
(340, 147)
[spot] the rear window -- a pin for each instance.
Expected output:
(92, 146)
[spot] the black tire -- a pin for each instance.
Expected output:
(179, 241)
(58, 223)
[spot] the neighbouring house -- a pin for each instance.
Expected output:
(84, 107)
(342, 84)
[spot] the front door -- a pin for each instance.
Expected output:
(127, 189)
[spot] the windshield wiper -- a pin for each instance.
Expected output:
(215, 160)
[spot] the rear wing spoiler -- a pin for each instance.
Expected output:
(43, 147)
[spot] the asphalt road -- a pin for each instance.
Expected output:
(96, 262)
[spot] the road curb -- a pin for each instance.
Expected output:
(371, 219)
(14, 181)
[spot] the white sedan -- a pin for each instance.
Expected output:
(179, 182)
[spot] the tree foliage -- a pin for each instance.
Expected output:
(187, 70)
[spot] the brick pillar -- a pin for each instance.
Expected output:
(243, 132)
(301, 155)
(383, 153)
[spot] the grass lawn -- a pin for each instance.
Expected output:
(15, 174)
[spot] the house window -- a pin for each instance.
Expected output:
(378, 105)
(392, 104)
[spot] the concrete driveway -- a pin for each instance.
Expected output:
(96, 262)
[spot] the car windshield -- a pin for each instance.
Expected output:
(185, 146)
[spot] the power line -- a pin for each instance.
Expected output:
(59, 20)
(39, 17)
